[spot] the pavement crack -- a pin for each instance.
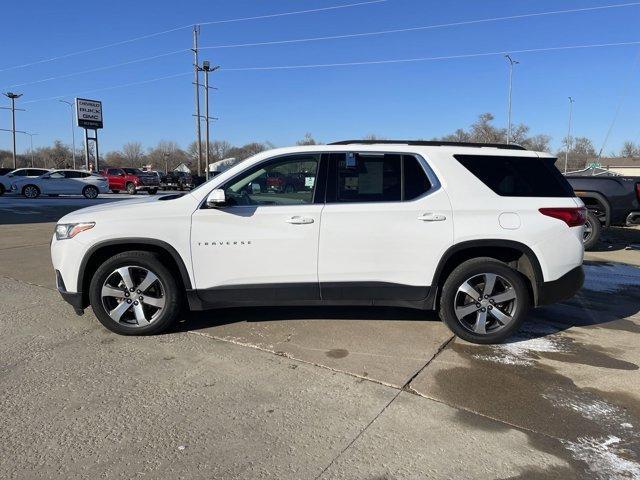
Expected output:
(445, 344)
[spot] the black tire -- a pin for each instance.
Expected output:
(2, 189)
(31, 191)
(152, 191)
(289, 188)
(90, 192)
(149, 261)
(592, 232)
(115, 191)
(131, 188)
(495, 331)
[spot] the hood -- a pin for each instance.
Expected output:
(110, 209)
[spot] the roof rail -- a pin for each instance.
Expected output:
(431, 143)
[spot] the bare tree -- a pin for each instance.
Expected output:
(630, 150)
(580, 153)
(133, 153)
(307, 140)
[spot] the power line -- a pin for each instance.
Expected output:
(175, 29)
(424, 27)
(331, 37)
(345, 64)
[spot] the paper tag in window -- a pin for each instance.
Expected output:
(309, 181)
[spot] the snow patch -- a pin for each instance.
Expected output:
(609, 278)
(603, 457)
(590, 408)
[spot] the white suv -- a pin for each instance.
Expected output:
(479, 232)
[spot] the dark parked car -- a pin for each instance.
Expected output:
(176, 180)
(610, 201)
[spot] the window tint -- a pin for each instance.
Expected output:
(37, 172)
(57, 175)
(518, 176)
(287, 181)
(113, 171)
(416, 182)
(369, 178)
(20, 173)
(74, 174)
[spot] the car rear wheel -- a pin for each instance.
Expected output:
(115, 191)
(592, 231)
(133, 293)
(90, 192)
(484, 301)
(30, 191)
(131, 188)
(1, 189)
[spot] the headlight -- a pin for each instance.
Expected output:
(70, 230)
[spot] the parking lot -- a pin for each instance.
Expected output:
(296, 393)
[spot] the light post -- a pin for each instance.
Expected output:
(206, 68)
(73, 133)
(13, 96)
(512, 62)
(31, 135)
(569, 140)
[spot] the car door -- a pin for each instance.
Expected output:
(53, 183)
(262, 245)
(116, 178)
(385, 226)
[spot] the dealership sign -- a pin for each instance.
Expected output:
(89, 113)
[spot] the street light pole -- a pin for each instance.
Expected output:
(31, 135)
(569, 141)
(206, 68)
(73, 132)
(12, 97)
(512, 62)
(196, 82)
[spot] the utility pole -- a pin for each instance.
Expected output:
(73, 133)
(12, 97)
(569, 140)
(196, 83)
(512, 62)
(206, 68)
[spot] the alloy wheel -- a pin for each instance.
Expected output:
(30, 191)
(587, 232)
(485, 303)
(133, 295)
(91, 192)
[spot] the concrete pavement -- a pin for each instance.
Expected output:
(315, 393)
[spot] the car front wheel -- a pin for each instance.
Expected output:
(133, 293)
(31, 191)
(484, 301)
(131, 188)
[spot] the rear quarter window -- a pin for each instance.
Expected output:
(518, 176)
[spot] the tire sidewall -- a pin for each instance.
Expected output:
(469, 269)
(150, 262)
(596, 229)
(130, 188)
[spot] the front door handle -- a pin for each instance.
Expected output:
(432, 217)
(299, 220)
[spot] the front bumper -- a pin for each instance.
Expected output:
(72, 298)
(561, 289)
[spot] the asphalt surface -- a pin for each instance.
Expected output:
(353, 393)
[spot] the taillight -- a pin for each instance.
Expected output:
(572, 216)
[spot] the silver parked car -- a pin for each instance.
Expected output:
(62, 182)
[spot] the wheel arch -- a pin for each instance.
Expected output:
(595, 199)
(101, 251)
(515, 254)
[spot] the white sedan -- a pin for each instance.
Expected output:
(62, 182)
(17, 174)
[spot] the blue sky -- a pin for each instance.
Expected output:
(404, 100)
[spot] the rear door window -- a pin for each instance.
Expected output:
(518, 176)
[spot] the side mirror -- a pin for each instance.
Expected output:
(216, 198)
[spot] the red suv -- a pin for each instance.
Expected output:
(131, 180)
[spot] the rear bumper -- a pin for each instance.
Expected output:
(561, 289)
(72, 298)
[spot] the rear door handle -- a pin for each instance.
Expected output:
(299, 220)
(432, 217)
